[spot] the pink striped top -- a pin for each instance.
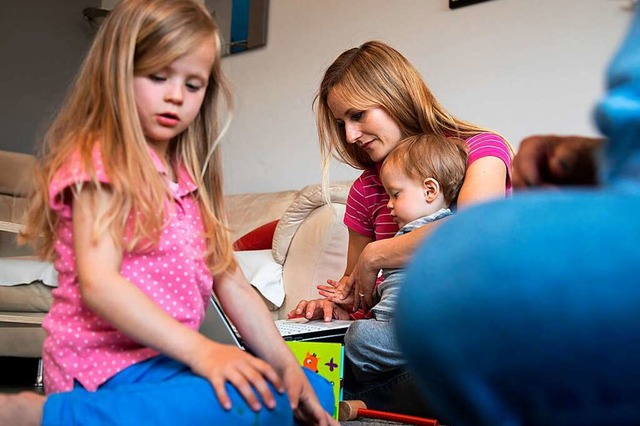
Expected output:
(367, 212)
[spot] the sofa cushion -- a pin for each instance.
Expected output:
(264, 273)
(14, 172)
(246, 212)
(18, 339)
(25, 270)
(260, 238)
(34, 297)
(309, 199)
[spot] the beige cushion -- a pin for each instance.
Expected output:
(9, 246)
(34, 297)
(12, 208)
(21, 339)
(311, 240)
(14, 173)
(309, 199)
(246, 212)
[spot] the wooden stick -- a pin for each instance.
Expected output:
(349, 410)
(402, 418)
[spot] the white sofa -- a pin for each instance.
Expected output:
(309, 245)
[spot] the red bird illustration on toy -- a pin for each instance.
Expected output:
(311, 362)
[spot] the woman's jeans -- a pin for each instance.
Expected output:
(375, 370)
(527, 312)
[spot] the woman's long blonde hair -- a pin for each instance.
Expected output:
(376, 75)
(138, 37)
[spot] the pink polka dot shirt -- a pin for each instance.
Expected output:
(80, 345)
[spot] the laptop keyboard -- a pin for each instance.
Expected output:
(288, 328)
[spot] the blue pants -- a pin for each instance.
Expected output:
(375, 370)
(527, 312)
(160, 391)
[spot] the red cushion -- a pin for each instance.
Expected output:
(258, 239)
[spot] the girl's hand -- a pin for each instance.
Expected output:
(317, 309)
(304, 402)
(220, 363)
(335, 292)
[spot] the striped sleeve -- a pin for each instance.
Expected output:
(357, 217)
(490, 145)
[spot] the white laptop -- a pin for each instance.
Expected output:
(218, 327)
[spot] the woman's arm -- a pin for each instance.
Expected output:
(107, 293)
(357, 244)
(485, 180)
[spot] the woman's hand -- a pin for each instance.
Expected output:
(319, 309)
(220, 363)
(362, 281)
(304, 402)
(549, 161)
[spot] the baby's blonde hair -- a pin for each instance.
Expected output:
(138, 37)
(426, 156)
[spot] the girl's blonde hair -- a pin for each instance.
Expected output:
(137, 38)
(376, 75)
(426, 156)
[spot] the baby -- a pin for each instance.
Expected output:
(422, 177)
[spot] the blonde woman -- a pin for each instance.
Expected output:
(370, 98)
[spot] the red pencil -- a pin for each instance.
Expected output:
(402, 418)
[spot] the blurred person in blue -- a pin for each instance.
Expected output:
(534, 320)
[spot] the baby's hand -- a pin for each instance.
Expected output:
(220, 363)
(335, 292)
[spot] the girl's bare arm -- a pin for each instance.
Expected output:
(107, 293)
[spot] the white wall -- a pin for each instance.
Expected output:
(519, 67)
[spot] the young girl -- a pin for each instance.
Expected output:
(130, 209)
(370, 98)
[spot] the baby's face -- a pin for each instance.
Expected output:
(407, 197)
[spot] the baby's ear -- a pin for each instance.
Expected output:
(431, 189)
